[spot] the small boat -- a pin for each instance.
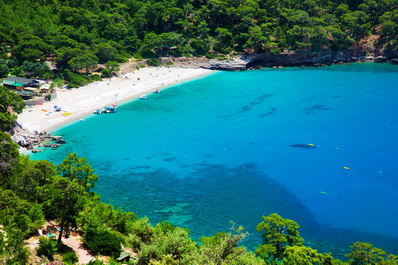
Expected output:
(98, 111)
(157, 91)
(109, 109)
(143, 97)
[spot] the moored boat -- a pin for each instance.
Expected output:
(143, 97)
(109, 109)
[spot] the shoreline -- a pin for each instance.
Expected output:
(83, 101)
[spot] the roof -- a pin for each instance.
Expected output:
(123, 255)
(12, 83)
(15, 79)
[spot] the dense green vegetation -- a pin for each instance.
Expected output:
(32, 192)
(9, 101)
(80, 34)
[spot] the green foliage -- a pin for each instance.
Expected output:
(9, 99)
(95, 262)
(113, 66)
(38, 69)
(106, 73)
(153, 62)
(102, 241)
(279, 233)
(365, 253)
(75, 168)
(70, 257)
(222, 248)
(141, 233)
(81, 34)
(175, 244)
(84, 61)
(305, 256)
(47, 247)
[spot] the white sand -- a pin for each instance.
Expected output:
(83, 101)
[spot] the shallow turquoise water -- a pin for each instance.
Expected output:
(219, 148)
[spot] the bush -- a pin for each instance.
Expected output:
(106, 73)
(96, 78)
(103, 242)
(47, 247)
(70, 257)
(95, 262)
(153, 62)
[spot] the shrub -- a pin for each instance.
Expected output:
(153, 62)
(96, 78)
(47, 247)
(106, 73)
(70, 257)
(95, 262)
(102, 241)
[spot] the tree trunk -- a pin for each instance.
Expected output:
(62, 230)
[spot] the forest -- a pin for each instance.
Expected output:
(76, 35)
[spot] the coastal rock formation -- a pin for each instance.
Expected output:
(28, 140)
(300, 58)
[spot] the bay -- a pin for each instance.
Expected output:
(316, 145)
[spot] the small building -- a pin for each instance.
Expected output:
(45, 88)
(124, 257)
(18, 82)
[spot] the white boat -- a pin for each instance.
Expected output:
(98, 111)
(143, 97)
(157, 91)
(111, 109)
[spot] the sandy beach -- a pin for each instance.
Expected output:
(83, 101)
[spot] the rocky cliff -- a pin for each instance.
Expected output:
(302, 58)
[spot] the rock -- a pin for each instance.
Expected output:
(60, 141)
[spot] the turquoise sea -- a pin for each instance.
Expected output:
(219, 148)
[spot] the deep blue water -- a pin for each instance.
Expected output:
(219, 148)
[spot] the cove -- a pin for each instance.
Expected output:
(233, 146)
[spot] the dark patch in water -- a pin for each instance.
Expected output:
(213, 194)
(257, 101)
(141, 167)
(169, 159)
(271, 112)
(315, 108)
(303, 146)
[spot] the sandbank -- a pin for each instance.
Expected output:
(81, 102)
